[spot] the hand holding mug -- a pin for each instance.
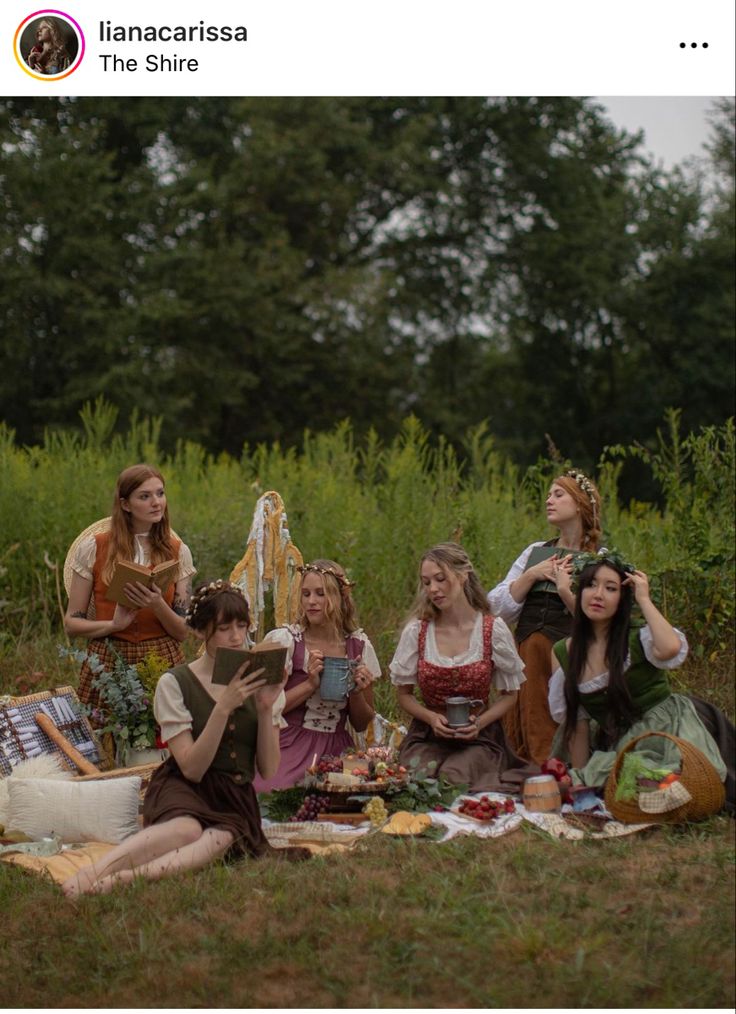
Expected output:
(440, 728)
(315, 666)
(362, 678)
(467, 732)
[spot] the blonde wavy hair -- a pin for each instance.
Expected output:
(340, 609)
(452, 559)
(58, 50)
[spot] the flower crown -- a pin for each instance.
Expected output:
(306, 568)
(604, 555)
(584, 483)
(206, 592)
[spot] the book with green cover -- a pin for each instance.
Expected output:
(267, 656)
(540, 553)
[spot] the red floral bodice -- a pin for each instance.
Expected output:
(438, 682)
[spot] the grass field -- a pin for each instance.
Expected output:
(521, 921)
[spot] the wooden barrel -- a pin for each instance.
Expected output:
(542, 794)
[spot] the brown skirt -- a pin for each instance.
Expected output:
(485, 765)
(109, 648)
(528, 724)
(216, 801)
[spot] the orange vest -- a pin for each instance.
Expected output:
(146, 624)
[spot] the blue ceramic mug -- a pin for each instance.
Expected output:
(336, 680)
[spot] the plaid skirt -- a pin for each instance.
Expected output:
(109, 648)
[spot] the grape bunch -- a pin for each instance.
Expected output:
(311, 808)
(376, 809)
(328, 763)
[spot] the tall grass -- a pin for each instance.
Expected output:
(374, 507)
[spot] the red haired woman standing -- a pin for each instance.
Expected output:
(139, 531)
(536, 595)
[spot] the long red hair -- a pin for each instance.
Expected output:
(590, 510)
(122, 539)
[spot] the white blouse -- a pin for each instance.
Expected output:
(500, 599)
(86, 554)
(174, 717)
(508, 672)
(321, 716)
(556, 688)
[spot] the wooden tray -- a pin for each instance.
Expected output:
(344, 818)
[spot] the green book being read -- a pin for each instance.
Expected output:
(266, 655)
(126, 572)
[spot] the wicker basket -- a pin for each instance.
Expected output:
(698, 776)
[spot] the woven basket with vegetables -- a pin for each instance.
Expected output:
(697, 776)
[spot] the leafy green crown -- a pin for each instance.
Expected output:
(603, 555)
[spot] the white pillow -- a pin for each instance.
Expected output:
(46, 765)
(105, 810)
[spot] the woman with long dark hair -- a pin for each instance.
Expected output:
(614, 673)
(536, 596)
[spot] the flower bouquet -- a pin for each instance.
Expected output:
(126, 701)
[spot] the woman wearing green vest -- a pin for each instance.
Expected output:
(200, 804)
(535, 595)
(615, 673)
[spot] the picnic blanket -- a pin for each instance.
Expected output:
(61, 866)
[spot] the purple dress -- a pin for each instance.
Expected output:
(299, 744)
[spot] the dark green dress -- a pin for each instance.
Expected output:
(225, 797)
(660, 709)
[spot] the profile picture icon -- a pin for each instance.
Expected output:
(49, 44)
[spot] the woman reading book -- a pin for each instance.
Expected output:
(139, 532)
(200, 804)
(327, 626)
(536, 595)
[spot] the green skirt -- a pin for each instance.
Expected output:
(675, 715)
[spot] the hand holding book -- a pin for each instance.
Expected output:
(128, 575)
(266, 656)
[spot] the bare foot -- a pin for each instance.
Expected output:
(105, 884)
(81, 882)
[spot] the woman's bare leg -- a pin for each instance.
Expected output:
(213, 842)
(138, 850)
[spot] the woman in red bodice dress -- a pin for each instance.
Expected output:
(453, 647)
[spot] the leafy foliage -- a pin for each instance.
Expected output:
(251, 268)
(422, 791)
(126, 697)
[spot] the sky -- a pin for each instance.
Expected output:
(675, 126)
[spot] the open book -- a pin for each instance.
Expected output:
(266, 655)
(126, 572)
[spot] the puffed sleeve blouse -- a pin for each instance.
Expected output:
(556, 688)
(508, 673)
(286, 637)
(86, 553)
(174, 717)
(500, 599)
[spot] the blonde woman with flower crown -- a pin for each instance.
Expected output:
(536, 595)
(326, 626)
